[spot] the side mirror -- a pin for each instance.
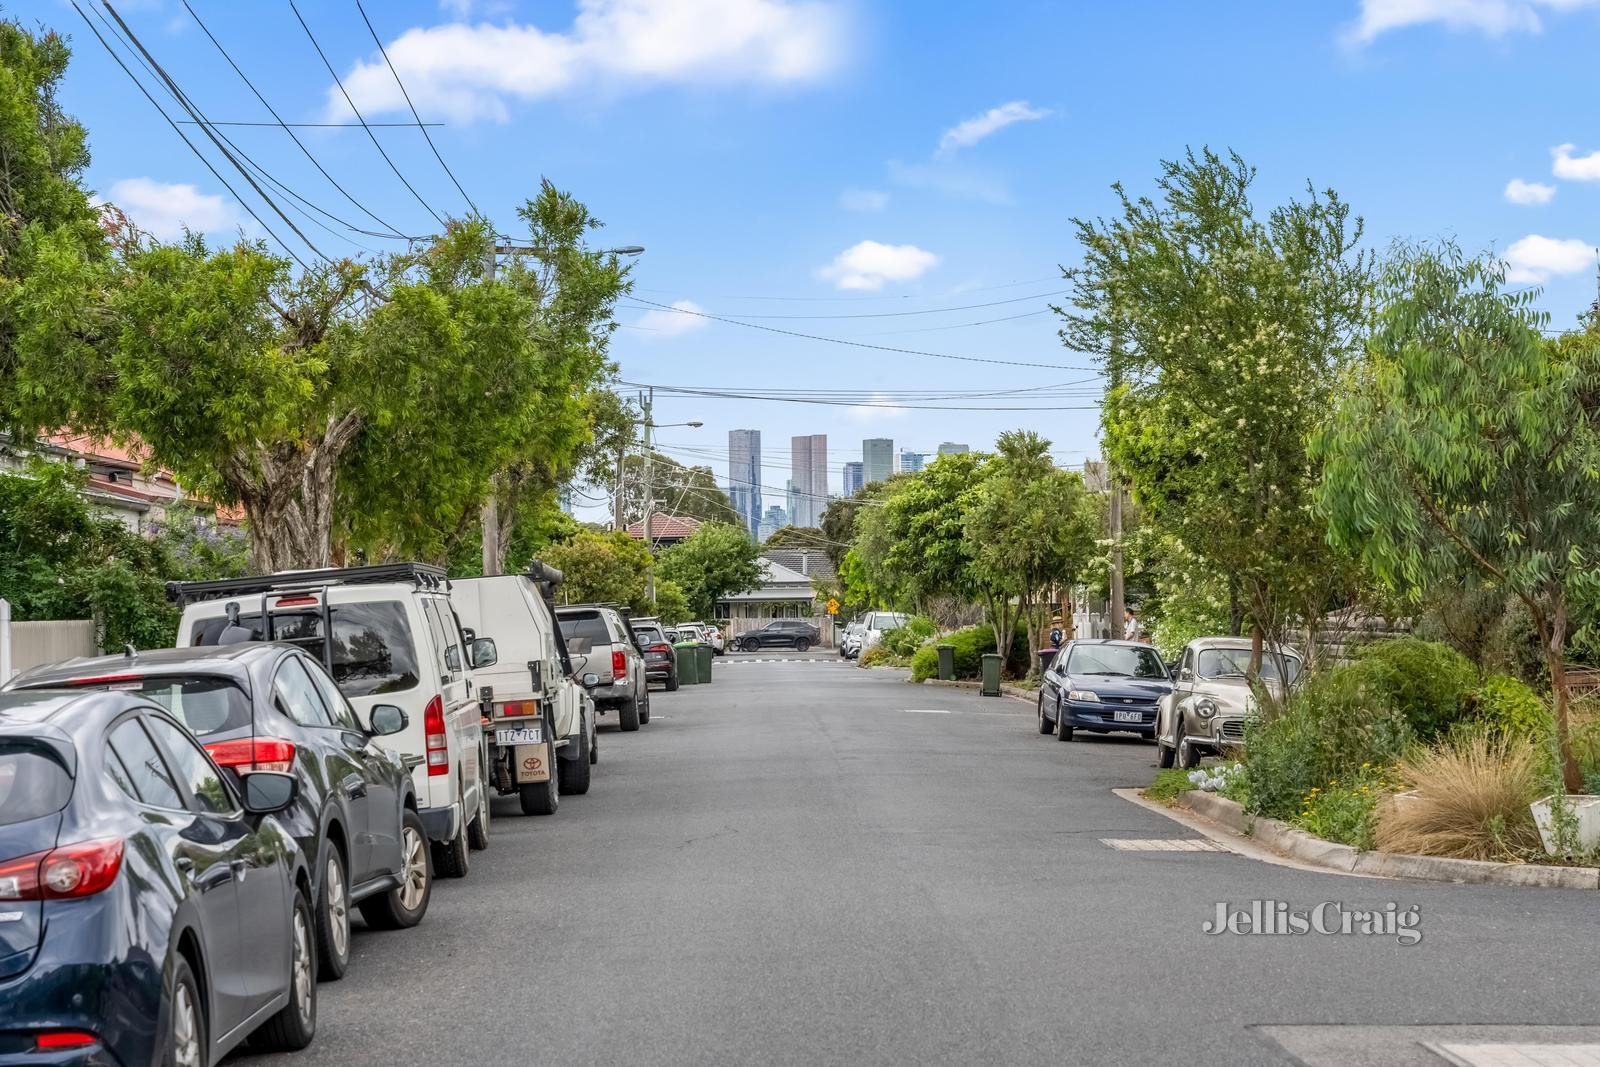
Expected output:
(386, 719)
(1185, 675)
(484, 653)
(591, 680)
(266, 792)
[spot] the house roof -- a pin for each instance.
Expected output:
(807, 561)
(777, 583)
(665, 527)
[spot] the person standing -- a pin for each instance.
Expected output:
(1131, 630)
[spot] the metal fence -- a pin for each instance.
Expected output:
(29, 644)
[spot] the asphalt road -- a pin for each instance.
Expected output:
(810, 863)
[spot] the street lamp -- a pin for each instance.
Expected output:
(625, 250)
(647, 402)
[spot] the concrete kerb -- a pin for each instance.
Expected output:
(1306, 848)
(1015, 692)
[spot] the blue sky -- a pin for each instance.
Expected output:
(850, 157)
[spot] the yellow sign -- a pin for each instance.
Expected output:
(833, 606)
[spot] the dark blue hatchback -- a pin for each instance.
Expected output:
(1102, 686)
(150, 911)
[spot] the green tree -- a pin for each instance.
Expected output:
(839, 527)
(1223, 338)
(1468, 438)
(797, 537)
(671, 603)
(679, 490)
(716, 560)
(602, 568)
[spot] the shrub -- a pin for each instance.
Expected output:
(1168, 784)
(970, 644)
(1429, 683)
(904, 641)
(1469, 799)
(1511, 708)
(1342, 810)
(879, 655)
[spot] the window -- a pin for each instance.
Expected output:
(1235, 663)
(373, 651)
(297, 695)
(1124, 661)
(33, 783)
(445, 638)
(338, 707)
(584, 625)
(194, 767)
(152, 782)
(205, 705)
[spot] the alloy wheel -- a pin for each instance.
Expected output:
(304, 974)
(414, 876)
(338, 906)
(185, 1029)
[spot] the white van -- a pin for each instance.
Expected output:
(388, 635)
(541, 730)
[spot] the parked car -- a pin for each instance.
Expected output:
(271, 707)
(850, 639)
(712, 635)
(1102, 686)
(781, 633)
(874, 624)
(1211, 699)
(387, 635)
(660, 661)
(150, 910)
(541, 724)
(600, 642)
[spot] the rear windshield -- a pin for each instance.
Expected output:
(649, 635)
(373, 650)
(204, 705)
(32, 783)
(587, 626)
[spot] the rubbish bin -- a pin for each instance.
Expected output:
(947, 662)
(991, 674)
(703, 653)
(1046, 656)
(688, 663)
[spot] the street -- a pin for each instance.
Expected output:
(807, 862)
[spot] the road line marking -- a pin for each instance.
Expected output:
(925, 711)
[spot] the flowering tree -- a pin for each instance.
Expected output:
(1223, 337)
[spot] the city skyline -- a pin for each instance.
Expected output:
(744, 477)
(877, 459)
(808, 479)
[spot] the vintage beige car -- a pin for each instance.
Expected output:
(1211, 698)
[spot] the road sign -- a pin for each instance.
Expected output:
(833, 606)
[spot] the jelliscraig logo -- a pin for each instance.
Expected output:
(1329, 918)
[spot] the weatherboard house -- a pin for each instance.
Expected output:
(783, 593)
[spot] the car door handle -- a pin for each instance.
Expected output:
(219, 875)
(355, 786)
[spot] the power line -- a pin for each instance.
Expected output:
(844, 299)
(961, 325)
(298, 143)
(354, 110)
(861, 344)
(420, 125)
(192, 147)
(898, 314)
(306, 125)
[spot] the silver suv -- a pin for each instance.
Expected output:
(600, 641)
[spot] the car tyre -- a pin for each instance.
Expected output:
(802, 645)
(333, 918)
(628, 715)
(644, 707)
(1188, 757)
(478, 828)
(1063, 730)
(575, 775)
(1045, 725)
(452, 859)
(405, 905)
(672, 682)
(296, 1024)
(751, 645)
(187, 1042)
(542, 798)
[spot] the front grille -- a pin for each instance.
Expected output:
(1233, 729)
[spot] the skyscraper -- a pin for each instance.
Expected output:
(877, 459)
(854, 478)
(744, 476)
(809, 468)
(911, 462)
(950, 448)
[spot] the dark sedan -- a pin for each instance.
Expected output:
(267, 706)
(1102, 686)
(150, 912)
(781, 633)
(660, 661)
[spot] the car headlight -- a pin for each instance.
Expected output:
(1083, 694)
(1205, 708)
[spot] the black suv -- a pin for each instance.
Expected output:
(271, 707)
(781, 633)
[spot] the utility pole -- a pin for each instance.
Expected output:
(647, 400)
(489, 514)
(1114, 484)
(619, 498)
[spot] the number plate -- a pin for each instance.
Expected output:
(521, 735)
(1129, 716)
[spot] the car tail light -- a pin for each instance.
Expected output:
(438, 745)
(660, 648)
(518, 708)
(619, 664)
(246, 754)
(56, 1040)
(295, 601)
(63, 873)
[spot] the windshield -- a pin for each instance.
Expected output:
(373, 651)
(1129, 661)
(32, 783)
(204, 705)
(1235, 663)
(584, 626)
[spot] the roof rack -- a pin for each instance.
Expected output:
(422, 575)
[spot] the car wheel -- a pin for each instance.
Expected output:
(1045, 725)
(1063, 730)
(802, 645)
(575, 774)
(451, 858)
(644, 707)
(628, 715)
(672, 682)
(478, 828)
(1165, 753)
(333, 918)
(542, 798)
(751, 646)
(406, 904)
(594, 745)
(296, 1023)
(186, 1044)
(1188, 757)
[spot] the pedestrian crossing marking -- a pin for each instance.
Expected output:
(1161, 844)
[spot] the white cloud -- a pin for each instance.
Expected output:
(1534, 259)
(1574, 168)
(468, 73)
(1493, 18)
(870, 265)
(863, 200)
(686, 319)
(879, 408)
(968, 133)
(165, 210)
(1521, 192)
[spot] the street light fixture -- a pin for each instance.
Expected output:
(625, 250)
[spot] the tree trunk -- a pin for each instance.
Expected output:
(1555, 655)
(1235, 613)
(287, 493)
